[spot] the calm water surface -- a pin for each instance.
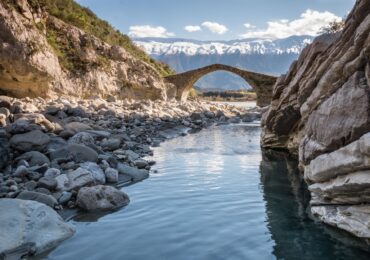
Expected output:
(216, 196)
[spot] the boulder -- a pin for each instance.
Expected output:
(22, 126)
(131, 155)
(101, 198)
(31, 141)
(65, 197)
(34, 158)
(76, 127)
(52, 173)
(47, 182)
(21, 171)
(5, 102)
(75, 152)
(135, 173)
(56, 143)
(196, 116)
(32, 223)
(95, 170)
(74, 180)
(34, 118)
(141, 163)
(39, 197)
(4, 111)
(111, 144)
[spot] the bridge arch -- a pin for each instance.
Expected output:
(262, 84)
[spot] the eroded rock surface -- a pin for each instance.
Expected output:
(320, 111)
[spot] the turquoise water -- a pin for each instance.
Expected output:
(216, 196)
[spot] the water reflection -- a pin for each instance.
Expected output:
(295, 234)
(216, 196)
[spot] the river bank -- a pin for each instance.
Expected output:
(71, 153)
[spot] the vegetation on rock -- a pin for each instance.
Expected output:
(333, 27)
(83, 18)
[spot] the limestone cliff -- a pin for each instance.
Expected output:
(320, 111)
(42, 55)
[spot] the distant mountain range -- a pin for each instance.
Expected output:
(266, 56)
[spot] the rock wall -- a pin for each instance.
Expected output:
(41, 55)
(320, 111)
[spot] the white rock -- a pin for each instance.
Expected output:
(95, 170)
(353, 188)
(350, 158)
(74, 180)
(354, 219)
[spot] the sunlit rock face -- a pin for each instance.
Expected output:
(42, 56)
(320, 110)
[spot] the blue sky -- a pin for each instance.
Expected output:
(219, 19)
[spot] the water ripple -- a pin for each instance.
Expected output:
(207, 201)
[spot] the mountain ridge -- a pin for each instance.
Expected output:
(293, 44)
(260, 55)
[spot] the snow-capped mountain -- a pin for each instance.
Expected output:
(261, 55)
(163, 46)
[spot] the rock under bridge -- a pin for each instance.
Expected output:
(262, 84)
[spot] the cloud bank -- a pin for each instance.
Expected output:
(309, 23)
(140, 31)
(215, 27)
(192, 28)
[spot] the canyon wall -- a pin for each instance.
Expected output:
(320, 111)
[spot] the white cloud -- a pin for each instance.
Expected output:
(309, 23)
(192, 28)
(140, 31)
(249, 26)
(215, 27)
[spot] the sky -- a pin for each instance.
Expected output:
(219, 19)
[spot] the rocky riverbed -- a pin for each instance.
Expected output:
(71, 153)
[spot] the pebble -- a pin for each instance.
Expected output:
(47, 182)
(21, 171)
(111, 175)
(65, 197)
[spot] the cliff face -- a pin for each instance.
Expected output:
(321, 112)
(41, 55)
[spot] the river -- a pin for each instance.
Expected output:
(216, 195)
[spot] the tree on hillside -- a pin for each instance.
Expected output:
(333, 27)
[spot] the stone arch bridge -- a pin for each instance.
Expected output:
(262, 84)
